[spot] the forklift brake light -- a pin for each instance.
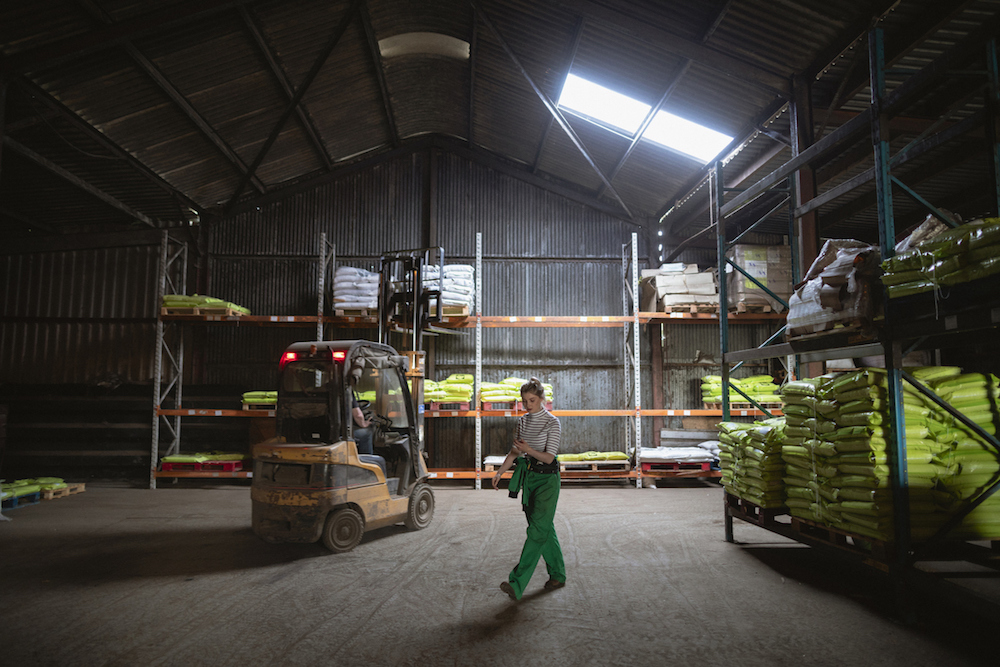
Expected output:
(339, 355)
(288, 356)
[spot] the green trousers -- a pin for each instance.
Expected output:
(541, 493)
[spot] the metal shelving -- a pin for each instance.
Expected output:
(901, 326)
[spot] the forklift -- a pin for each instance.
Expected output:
(309, 482)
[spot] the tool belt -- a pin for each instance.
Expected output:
(534, 465)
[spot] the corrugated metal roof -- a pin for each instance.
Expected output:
(193, 99)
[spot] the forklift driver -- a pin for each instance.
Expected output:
(362, 430)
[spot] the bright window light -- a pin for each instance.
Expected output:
(685, 136)
(626, 114)
(602, 104)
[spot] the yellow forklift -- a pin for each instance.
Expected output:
(309, 482)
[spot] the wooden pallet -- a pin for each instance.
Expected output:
(455, 311)
(203, 466)
(259, 406)
(449, 406)
(355, 312)
(200, 310)
(503, 405)
(595, 466)
(742, 307)
(743, 405)
(752, 513)
(68, 490)
(580, 466)
(674, 466)
(22, 501)
(692, 308)
(877, 550)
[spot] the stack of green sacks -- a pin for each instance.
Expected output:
(260, 397)
(593, 456)
(837, 455)
(750, 460)
(202, 457)
(498, 392)
(433, 393)
(515, 384)
(968, 252)
(973, 464)
(197, 301)
(457, 388)
(760, 388)
(25, 487)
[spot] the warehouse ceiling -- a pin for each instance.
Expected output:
(125, 114)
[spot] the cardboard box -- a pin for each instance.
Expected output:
(770, 265)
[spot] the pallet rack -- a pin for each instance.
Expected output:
(172, 276)
(907, 322)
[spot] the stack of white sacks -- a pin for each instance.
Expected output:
(355, 289)
(458, 286)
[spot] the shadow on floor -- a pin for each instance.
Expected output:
(86, 558)
(946, 622)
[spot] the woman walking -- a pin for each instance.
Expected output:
(537, 440)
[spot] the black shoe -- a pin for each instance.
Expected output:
(553, 584)
(509, 590)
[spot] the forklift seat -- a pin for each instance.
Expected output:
(373, 458)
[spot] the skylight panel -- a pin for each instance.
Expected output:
(603, 104)
(621, 112)
(686, 136)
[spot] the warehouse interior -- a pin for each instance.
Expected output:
(751, 248)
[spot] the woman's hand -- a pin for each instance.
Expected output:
(520, 446)
(496, 481)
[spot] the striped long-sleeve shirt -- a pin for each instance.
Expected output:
(541, 430)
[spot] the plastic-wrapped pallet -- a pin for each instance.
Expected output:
(837, 289)
(355, 289)
(458, 285)
(771, 265)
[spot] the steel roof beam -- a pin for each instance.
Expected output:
(282, 79)
(58, 109)
(570, 59)
(383, 86)
(115, 34)
(655, 109)
(153, 72)
(748, 72)
(472, 82)
(552, 108)
(675, 81)
(428, 142)
(299, 94)
(27, 221)
(898, 44)
(77, 181)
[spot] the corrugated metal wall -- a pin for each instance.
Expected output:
(78, 316)
(543, 255)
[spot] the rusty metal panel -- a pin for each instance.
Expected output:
(79, 316)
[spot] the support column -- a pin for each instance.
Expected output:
(805, 177)
(806, 227)
(656, 375)
(893, 352)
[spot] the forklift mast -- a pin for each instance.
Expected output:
(404, 305)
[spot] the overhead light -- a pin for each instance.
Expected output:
(423, 43)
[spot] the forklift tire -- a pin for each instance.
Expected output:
(343, 530)
(421, 509)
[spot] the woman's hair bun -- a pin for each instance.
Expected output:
(534, 386)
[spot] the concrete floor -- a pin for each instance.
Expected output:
(118, 576)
